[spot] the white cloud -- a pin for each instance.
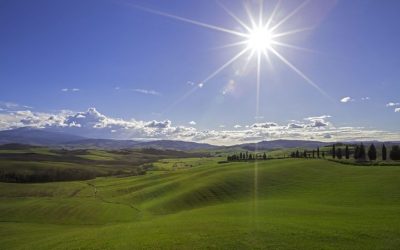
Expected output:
(70, 90)
(264, 125)
(367, 98)
(346, 99)
(237, 126)
(392, 104)
(192, 123)
(295, 125)
(397, 110)
(200, 85)
(147, 91)
(92, 123)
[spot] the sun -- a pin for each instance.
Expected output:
(260, 39)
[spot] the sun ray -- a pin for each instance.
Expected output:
(231, 45)
(296, 70)
(201, 84)
(293, 46)
(291, 32)
(225, 65)
(183, 19)
(250, 16)
(234, 16)
(260, 13)
(290, 15)
(258, 84)
(271, 17)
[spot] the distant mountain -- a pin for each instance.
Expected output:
(276, 144)
(33, 136)
(175, 145)
(100, 144)
(42, 137)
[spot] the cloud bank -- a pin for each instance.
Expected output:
(92, 123)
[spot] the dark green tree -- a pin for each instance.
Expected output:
(395, 153)
(264, 156)
(318, 152)
(384, 152)
(305, 154)
(313, 153)
(356, 152)
(323, 154)
(372, 152)
(347, 152)
(297, 154)
(339, 153)
(333, 151)
(361, 154)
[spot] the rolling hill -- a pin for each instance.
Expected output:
(276, 204)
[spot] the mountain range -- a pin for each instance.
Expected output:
(40, 137)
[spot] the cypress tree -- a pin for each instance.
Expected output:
(356, 152)
(339, 153)
(372, 152)
(333, 151)
(361, 154)
(297, 154)
(347, 152)
(384, 153)
(318, 152)
(313, 153)
(305, 154)
(264, 156)
(395, 153)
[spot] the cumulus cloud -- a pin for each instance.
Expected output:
(92, 123)
(237, 126)
(346, 99)
(147, 91)
(264, 125)
(192, 123)
(295, 125)
(157, 124)
(392, 104)
(397, 110)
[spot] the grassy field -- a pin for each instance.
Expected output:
(198, 203)
(27, 164)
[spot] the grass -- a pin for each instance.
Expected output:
(25, 164)
(197, 203)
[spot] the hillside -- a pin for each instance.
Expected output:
(278, 204)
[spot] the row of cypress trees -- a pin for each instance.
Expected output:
(360, 153)
(246, 156)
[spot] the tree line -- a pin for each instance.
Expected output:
(359, 153)
(246, 156)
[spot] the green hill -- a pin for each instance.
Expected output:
(198, 203)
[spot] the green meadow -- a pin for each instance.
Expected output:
(198, 203)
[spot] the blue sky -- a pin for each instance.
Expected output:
(132, 64)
